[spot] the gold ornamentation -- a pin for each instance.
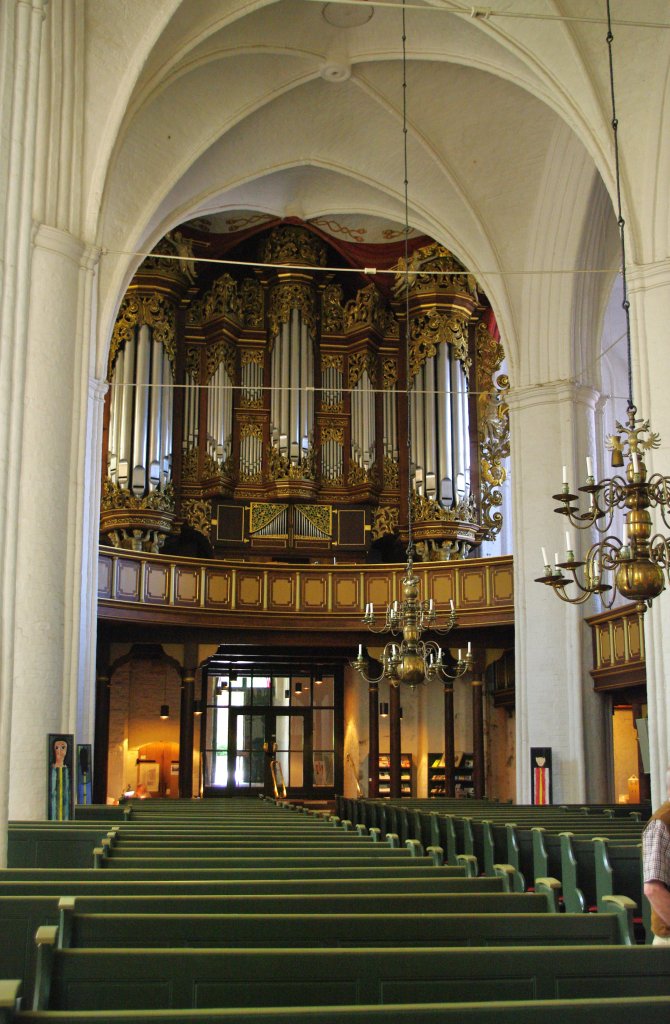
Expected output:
(221, 352)
(427, 510)
(291, 244)
(255, 356)
(251, 302)
(138, 309)
(358, 363)
(261, 514)
(385, 521)
(189, 465)
(172, 244)
(251, 430)
(389, 374)
(355, 234)
(251, 478)
(192, 364)
(493, 427)
(366, 309)
(239, 223)
(330, 433)
(332, 311)
(198, 514)
(320, 516)
(358, 475)
(434, 268)
(115, 497)
(331, 361)
(391, 472)
(221, 300)
(289, 295)
(280, 466)
(433, 328)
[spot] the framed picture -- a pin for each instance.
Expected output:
(60, 749)
(540, 775)
(84, 773)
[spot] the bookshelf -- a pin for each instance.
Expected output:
(407, 787)
(463, 766)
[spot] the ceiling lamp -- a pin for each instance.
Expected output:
(412, 660)
(637, 563)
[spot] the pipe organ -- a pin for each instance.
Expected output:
(271, 401)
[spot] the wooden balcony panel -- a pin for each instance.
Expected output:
(618, 649)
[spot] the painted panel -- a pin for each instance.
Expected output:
(250, 590)
(502, 585)
(127, 580)
(282, 591)
(473, 586)
(346, 592)
(605, 645)
(619, 641)
(379, 590)
(105, 577)
(186, 585)
(156, 584)
(634, 645)
(442, 588)
(314, 593)
(218, 588)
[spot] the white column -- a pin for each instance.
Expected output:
(20, 39)
(650, 313)
(56, 551)
(550, 704)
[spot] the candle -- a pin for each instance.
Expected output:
(469, 647)
(360, 650)
(625, 534)
(460, 652)
(545, 560)
(589, 466)
(451, 603)
(565, 474)
(556, 560)
(568, 542)
(596, 567)
(430, 605)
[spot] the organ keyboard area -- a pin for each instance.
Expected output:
(267, 406)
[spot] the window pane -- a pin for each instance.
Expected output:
(295, 768)
(297, 732)
(282, 732)
(281, 691)
(324, 768)
(323, 730)
(324, 693)
(262, 692)
(300, 691)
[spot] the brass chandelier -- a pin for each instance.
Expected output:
(638, 562)
(411, 660)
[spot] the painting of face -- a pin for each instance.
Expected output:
(60, 750)
(59, 777)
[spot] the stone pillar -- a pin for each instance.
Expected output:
(477, 686)
(649, 290)
(373, 760)
(550, 679)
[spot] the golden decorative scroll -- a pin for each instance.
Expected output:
(335, 228)
(331, 433)
(189, 465)
(280, 466)
(221, 352)
(262, 513)
(366, 309)
(320, 516)
(251, 430)
(138, 309)
(385, 521)
(251, 302)
(172, 244)
(391, 472)
(292, 244)
(221, 300)
(115, 497)
(493, 427)
(389, 373)
(250, 403)
(358, 363)
(289, 295)
(331, 361)
(255, 356)
(433, 328)
(358, 475)
(434, 268)
(427, 510)
(198, 514)
(332, 310)
(192, 363)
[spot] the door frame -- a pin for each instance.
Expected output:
(270, 715)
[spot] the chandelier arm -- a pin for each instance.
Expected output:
(358, 664)
(659, 552)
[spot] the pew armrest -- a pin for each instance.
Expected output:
(46, 938)
(415, 848)
(393, 840)
(624, 908)
(10, 990)
(508, 874)
(469, 862)
(66, 906)
(437, 855)
(375, 834)
(551, 887)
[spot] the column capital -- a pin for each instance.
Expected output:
(553, 392)
(642, 277)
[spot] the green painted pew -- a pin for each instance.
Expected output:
(78, 979)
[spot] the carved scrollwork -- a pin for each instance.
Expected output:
(434, 328)
(115, 497)
(221, 352)
(251, 302)
(385, 521)
(192, 363)
(138, 309)
(290, 295)
(221, 300)
(172, 244)
(360, 362)
(189, 466)
(427, 510)
(198, 514)
(295, 245)
(331, 361)
(493, 426)
(332, 310)
(332, 433)
(391, 472)
(251, 430)
(280, 466)
(434, 268)
(262, 513)
(367, 309)
(320, 516)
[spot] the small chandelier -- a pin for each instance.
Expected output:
(412, 660)
(637, 563)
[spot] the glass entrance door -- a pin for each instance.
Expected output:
(254, 738)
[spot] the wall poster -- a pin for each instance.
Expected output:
(540, 775)
(60, 748)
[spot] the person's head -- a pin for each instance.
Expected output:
(60, 751)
